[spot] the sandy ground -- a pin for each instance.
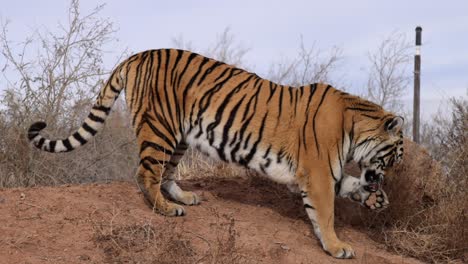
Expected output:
(238, 221)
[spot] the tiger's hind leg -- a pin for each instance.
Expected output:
(170, 185)
(155, 154)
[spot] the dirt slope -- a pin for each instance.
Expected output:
(239, 221)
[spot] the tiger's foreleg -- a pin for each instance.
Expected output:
(318, 195)
(352, 188)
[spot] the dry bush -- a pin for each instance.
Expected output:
(56, 82)
(111, 155)
(310, 65)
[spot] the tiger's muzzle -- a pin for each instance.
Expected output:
(374, 180)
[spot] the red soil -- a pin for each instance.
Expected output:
(238, 221)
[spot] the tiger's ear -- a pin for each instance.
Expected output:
(393, 125)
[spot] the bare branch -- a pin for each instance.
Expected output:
(388, 73)
(310, 66)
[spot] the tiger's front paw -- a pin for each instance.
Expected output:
(373, 200)
(171, 209)
(340, 250)
(377, 200)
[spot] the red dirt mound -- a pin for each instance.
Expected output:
(238, 221)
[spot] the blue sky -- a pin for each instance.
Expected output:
(272, 29)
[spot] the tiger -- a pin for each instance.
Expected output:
(298, 136)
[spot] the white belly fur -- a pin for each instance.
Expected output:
(278, 172)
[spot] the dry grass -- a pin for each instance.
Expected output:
(168, 242)
(111, 155)
(427, 217)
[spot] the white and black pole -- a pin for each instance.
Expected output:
(417, 83)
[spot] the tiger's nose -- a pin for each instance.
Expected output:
(371, 176)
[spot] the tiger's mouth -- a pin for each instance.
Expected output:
(372, 187)
(373, 180)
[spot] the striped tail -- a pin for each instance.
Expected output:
(92, 124)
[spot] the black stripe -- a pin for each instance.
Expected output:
(52, 146)
(89, 129)
(146, 166)
(226, 129)
(252, 152)
(40, 143)
(153, 161)
(209, 70)
(280, 104)
(343, 134)
(272, 91)
(308, 206)
(102, 108)
(95, 118)
(66, 143)
(351, 134)
(371, 117)
(247, 106)
(166, 94)
(246, 142)
(176, 63)
(148, 144)
(80, 139)
(267, 152)
(331, 169)
(140, 87)
(174, 93)
(187, 64)
(315, 115)
(290, 95)
(113, 88)
(360, 109)
(312, 91)
(156, 131)
(192, 80)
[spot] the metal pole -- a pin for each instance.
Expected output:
(417, 73)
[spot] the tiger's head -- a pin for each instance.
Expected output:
(378, 147)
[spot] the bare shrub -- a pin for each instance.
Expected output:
(226, 48)
(58, 85)
(388, 73)
(311, 65)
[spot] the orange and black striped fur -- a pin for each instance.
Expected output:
(299, 136)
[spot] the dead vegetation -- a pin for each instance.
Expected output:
(169, 242)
